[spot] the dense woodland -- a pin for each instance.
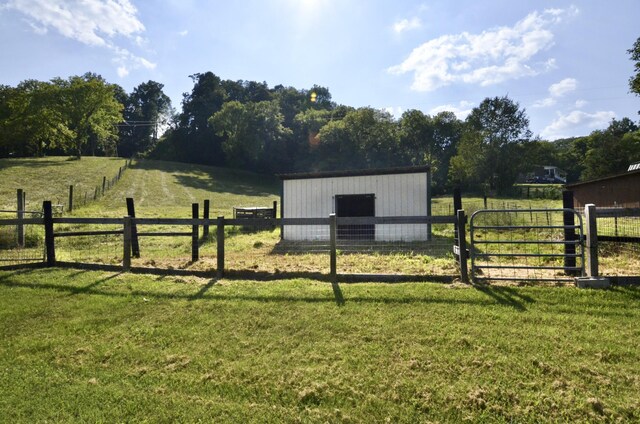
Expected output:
(249, 125)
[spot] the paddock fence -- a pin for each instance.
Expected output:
(350, 248)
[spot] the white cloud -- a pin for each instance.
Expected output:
(493, 56)
(563, 87)
(122, 71)
(183, 33)
(548, 102)
(577, 120)
(462, 110)
(396, 111)
(556, 91)
(581, 103)
(96, 23)
(407, 25)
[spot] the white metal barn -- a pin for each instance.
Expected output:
(398, 192)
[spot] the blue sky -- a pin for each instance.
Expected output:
(566, 62)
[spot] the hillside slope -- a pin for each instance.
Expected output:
(167, 189)
(159, 188)
(49, 178)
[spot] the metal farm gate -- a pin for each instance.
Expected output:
(526, 245)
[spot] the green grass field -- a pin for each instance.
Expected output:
(86, 346)
(80, 346)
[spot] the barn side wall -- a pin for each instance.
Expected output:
(396, 195)
(622, 191)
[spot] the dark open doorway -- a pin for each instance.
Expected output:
(356, 205)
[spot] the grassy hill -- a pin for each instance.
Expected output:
(167, 189)
(159, 188)
(49, 178)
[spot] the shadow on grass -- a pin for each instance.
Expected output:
(32, 163)
(507, 296)
(205, 293)
(220, 180)
(87, 289)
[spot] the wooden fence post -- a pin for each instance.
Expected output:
(71, 198)
(131, 211)
(462, 245)
(332, 248)
(569, 232)
(220, 246)
(48, 233)
(205, 215)
(591, 242)
(104, 184)
(126, 258)
(194, 233)
(20, 215)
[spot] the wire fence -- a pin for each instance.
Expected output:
(77, 199)
(619, 242)
(21, 243)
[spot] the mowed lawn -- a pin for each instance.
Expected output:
(83, 346)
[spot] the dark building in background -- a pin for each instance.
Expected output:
(622, 190)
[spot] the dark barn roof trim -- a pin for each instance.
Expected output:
(356, 173)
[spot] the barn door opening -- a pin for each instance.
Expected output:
(356, 205)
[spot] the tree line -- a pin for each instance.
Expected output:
(249, 125)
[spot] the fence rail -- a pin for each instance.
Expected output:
(67, 238)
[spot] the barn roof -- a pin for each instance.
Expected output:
(597, 180)
(356, 173)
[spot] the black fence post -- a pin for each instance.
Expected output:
(205, 215)
(71, 198)
(20, 215)
(195, 214)
(104, 184)
(220, 246)
(275, 214)
(126, 258)
(131, 211)
(48, 233)
(569, 233)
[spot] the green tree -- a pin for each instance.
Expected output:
(500, 126)
(611, 151)
(364, 138)
(33, 119)
(147, 110)
(252, 132)
(634, 81)
(90, 111)
(194, 140)
(430, 140)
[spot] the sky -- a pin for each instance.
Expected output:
(565, 62)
